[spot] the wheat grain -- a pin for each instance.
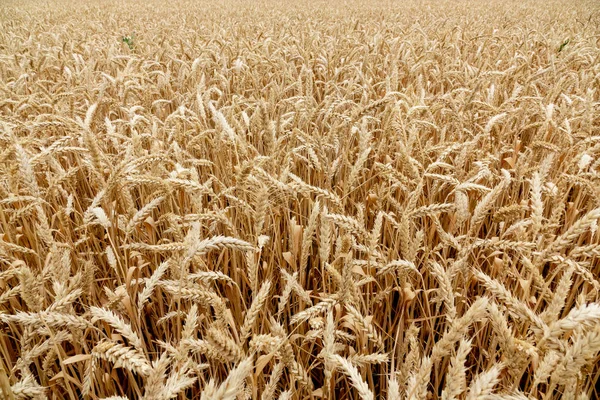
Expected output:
(417, 186)
(357, 381)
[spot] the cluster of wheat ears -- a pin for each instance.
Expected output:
(262, 200)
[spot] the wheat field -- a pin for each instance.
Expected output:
(328, 200)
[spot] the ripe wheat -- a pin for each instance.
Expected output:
(270, 200)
